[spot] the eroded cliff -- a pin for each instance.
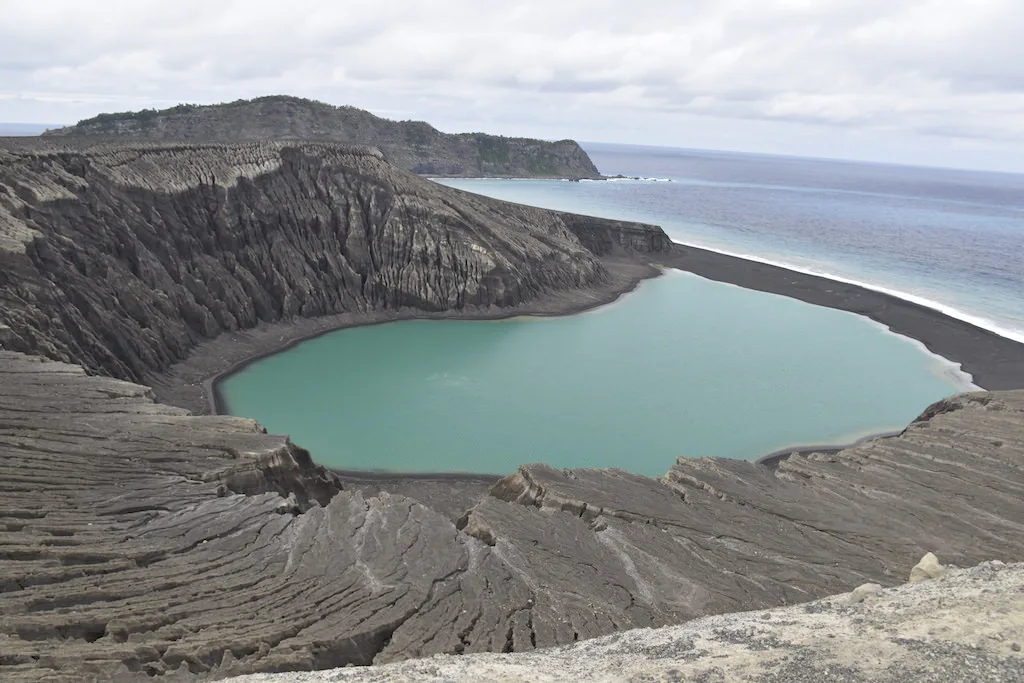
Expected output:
(122, 258)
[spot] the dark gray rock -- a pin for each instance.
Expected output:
(124, 258)
(413, 145)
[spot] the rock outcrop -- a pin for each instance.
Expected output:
(413, 145)
(122, 258)
(967, 627)
(141, 541)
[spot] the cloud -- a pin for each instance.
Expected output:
(945, 68)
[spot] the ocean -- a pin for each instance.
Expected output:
(683, 367)
(949, 239)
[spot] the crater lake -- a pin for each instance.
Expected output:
(681, 367)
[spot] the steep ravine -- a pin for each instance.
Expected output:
(139, 541)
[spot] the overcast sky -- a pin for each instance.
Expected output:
(937, 82)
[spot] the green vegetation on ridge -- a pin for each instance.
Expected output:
(413, 145)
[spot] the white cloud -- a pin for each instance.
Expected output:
(923, 69)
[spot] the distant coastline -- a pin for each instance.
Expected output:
(976, 320)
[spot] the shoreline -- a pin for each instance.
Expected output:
(937, 306)
(987, 358)
(772, 460)
(993, 361)
(951, 369)
(602, 296)
(192, 383)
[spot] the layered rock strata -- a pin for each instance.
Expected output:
(966, 626)
(413, 145)
(139, 541)
(123, 258)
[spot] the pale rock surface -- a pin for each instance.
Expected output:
(928, 568)
(959, 627)
(863, 592)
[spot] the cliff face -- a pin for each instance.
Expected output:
(122, 258)
(413, 145)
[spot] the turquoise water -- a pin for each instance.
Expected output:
(681, 367)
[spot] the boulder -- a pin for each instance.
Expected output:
(863, 592)
(928, 568)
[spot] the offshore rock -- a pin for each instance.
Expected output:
(413, 145)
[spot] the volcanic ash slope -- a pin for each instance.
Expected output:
(967, 625)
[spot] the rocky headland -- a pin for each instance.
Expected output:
(413, 145)
(139, 540)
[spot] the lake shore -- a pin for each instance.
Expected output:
(994, 362)
(192, 383)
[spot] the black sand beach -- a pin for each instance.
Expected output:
(995, 362)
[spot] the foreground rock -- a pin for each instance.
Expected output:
(967, 626)
(140, 541)
(928, 568)
(413, 145)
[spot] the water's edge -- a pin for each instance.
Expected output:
(218, 405)
(981, 357)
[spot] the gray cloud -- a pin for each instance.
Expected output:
(920, 68)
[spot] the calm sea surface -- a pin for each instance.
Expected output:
(952, 240)
(683, 366)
